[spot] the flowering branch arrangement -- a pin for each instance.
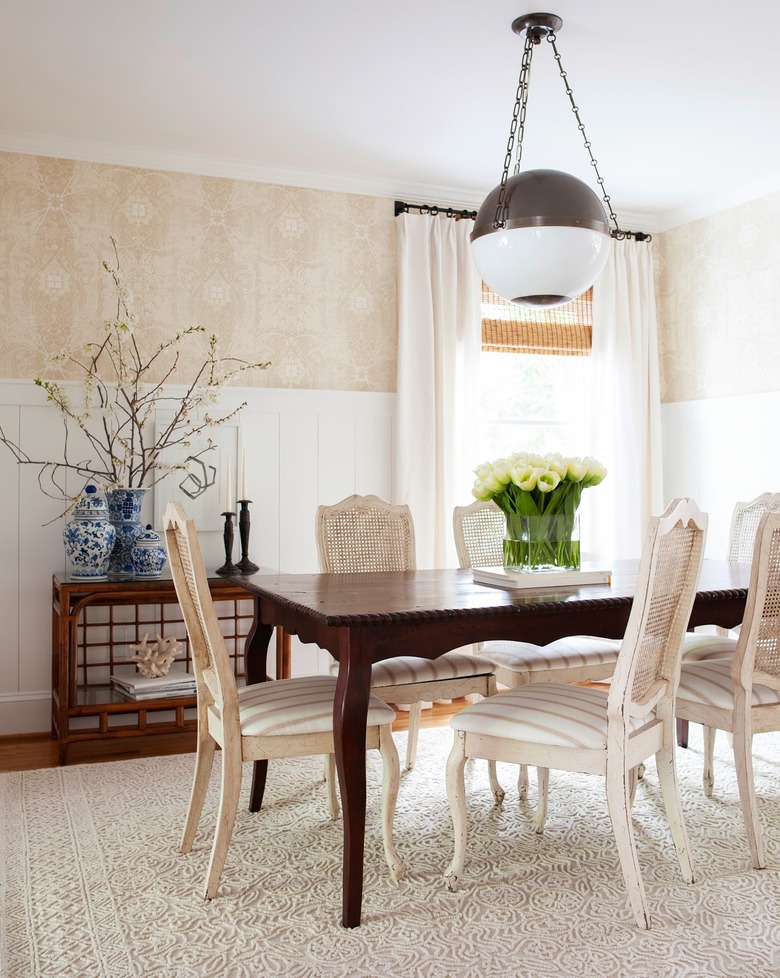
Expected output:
(540, 495)
(123, 387)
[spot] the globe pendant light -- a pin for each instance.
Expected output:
(541, 237)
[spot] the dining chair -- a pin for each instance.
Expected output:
(274, 719)
(590, 658)
(479, 535)
(599, 731)
(721, 643)
(365, 534)
(741, 695)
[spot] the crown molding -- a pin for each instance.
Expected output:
(90, 151)
(144, 157)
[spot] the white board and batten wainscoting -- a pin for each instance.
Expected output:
(721, 450)
(303, 448)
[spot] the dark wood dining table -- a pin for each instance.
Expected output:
(363, 618)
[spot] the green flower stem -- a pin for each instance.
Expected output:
(546, 542)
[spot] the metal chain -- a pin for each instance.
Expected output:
(617, 233)
(517, 126)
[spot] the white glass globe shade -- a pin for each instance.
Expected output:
(553, 246)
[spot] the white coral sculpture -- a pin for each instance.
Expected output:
(155, 659)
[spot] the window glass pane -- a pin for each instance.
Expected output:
(530, 402)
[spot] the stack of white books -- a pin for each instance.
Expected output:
(501, 577)
(177, 682)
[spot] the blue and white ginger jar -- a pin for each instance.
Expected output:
(124, 512)
(89, 537)
(149, 554)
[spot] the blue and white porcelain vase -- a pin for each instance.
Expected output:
(124, 513)
(88, 537)
(149, 554)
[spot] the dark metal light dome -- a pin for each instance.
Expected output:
(541, 238)
(553, 240)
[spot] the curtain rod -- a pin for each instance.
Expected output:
(639, 235)
(433, 209)
(401, 207)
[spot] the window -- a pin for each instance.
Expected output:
(534, 377)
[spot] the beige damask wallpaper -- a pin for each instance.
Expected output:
(303, 278)
(719, 304)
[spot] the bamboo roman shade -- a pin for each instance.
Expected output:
(561, 331)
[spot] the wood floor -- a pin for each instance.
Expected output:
(28, 752)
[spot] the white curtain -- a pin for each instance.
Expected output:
(626, 403)
(439, 341)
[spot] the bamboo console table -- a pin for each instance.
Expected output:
(94, 623)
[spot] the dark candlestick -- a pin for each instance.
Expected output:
(245, 565)
(227, 534)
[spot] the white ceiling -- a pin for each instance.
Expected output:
(406, 98)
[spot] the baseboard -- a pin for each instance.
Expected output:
(25, 713)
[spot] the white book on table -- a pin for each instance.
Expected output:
(170, 692)
(176, 679)
(501, 577)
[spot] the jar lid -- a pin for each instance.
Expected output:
(91, 506)
(149, 538)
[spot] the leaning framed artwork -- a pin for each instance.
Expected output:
(205, 477)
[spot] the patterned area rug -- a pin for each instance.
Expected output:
(94, 887)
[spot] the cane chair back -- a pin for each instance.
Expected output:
(214, 675)
(479, 534)
(742, 695)
(275, 719)
(590, 730)
(364, 534)
(744, 525)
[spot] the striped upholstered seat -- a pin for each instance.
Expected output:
(404, 669)
(297, 706)
(698, 647)
(286, 718)
(556, 714)
(576, 658)
(709, 683)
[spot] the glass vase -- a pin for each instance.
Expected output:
(542, 543)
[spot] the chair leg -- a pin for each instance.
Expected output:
(542, 792)
(498, 792)
(204, 762)
(667, 778)
(617, 804)
(522, 782)
(456, 795)
(708, 773)
(415, 715)
(391, 778)
(226, 817)
(633, 780)
(331, 786)
(257, 790)
(682, 732)
(743, 761)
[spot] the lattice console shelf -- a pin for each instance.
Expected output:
(94, 623)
